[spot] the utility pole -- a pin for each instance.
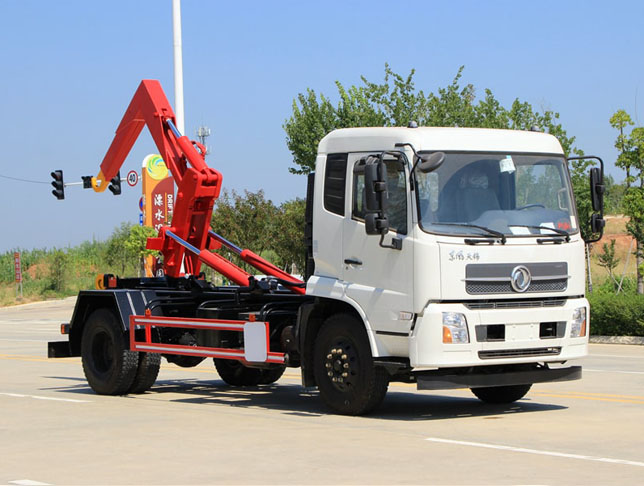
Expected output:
(178, 66)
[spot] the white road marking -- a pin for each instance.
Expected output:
(616, 371)
(535, 451)
(25, 340)
(28, 482)
(37, 397)
(35, 331)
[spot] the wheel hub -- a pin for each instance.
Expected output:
(339, 367)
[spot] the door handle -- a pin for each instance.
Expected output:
(352, 261)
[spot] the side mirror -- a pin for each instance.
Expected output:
(375, 182)
(597, 223)
(429, 162)
(375, 224)
(597, 189)
(377, 196)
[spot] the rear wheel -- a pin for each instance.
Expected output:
(146, 373)
(349, 382)
(501, 394)
(110, 368)
(235, 373)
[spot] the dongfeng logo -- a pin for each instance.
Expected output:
(520, 279)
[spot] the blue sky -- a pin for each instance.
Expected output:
(70, 68)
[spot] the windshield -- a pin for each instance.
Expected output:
(516, 195)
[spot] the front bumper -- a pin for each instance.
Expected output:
(522, 341)
(447, 379)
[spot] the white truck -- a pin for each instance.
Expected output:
(445, 257)
(477, 278)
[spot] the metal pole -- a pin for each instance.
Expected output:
(178, 65)
(178, 72)
(590, 277)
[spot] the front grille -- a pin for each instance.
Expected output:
(495, 278)
(505, 287)
(515, 304)
(519, 353)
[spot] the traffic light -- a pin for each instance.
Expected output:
(59, 185)
(115, 184)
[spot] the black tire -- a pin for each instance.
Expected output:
(501, 394)
(348, 381)
(236, 374)
(184, 361)
(271, 375)
(110, 368)
(146, 373)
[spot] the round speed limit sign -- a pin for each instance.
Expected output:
(132, 178)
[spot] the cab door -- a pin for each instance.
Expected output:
(380, 279)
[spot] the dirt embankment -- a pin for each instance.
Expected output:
(624, 244)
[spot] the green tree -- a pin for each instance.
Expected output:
(608, 260)
(631, 159)
(396, 102)
(246, 220)
(613, 195)
(620, 120)
(135, 243)
(57, 270)
(634, 200)
(311, 120)
(117, 256)
(288, 235)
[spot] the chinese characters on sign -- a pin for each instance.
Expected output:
(158, 201)
(16, 267)
(17, 270)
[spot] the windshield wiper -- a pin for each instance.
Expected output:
(563, 233)
(489, 231)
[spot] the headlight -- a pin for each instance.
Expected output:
(455, 328)
(578, 324)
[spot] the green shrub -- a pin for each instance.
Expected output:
(616, 315)
(608, 286)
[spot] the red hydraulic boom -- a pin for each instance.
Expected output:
(198, 187)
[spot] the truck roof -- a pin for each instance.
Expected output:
(439, 138)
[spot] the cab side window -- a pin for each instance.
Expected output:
(334, 183)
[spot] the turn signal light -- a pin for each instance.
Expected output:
(447, 335)
(578, 324)
(455, 328)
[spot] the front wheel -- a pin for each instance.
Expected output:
(501, 394)
(344, 371)
(110, 368)
(271, 375)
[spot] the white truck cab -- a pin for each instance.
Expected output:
(458, 248)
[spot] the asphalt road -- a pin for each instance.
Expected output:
(192, 428)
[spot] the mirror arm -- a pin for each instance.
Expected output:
(396, 243)
(413, 167)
